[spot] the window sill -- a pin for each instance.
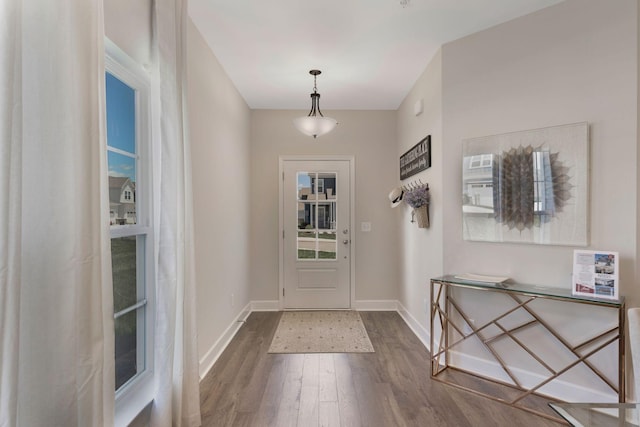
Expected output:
(133, 401)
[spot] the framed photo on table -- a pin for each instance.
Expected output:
(595, 274)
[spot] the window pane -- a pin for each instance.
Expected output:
(306, 216)
(122, 189)
(126, 352)
(307, 244)
(124, 269)
(121, 115)
(326, 216)
(306, 190)
(326, 185)
(327, 245)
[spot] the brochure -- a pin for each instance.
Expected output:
(595, 273)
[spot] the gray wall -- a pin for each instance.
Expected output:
(573, 62)
(219, 126)
(367, 135)
(421, 249)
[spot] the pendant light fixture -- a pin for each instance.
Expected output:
(315, 124)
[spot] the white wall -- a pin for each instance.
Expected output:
(367, 135)
(219, 127)
(573, 62)
(128, 24)
(421, 249)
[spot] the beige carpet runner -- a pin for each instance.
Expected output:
(321, 332)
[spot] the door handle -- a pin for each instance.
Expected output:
(345, 241)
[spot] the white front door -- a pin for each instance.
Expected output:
(316, 239)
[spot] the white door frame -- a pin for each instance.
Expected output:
(352, 204)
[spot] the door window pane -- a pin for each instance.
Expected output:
(306, 216)
(307, 244)
(326, 216)
(327, 245)
(306, 190)
(327, 185)
(317, 207)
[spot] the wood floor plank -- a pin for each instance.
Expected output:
(270, 402)
(309, 406)
(329, 415)
(328, 391)
(347, 397)
(289, 407)
(392, 387)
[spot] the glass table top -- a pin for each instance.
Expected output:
(598, 414)
(543, 291)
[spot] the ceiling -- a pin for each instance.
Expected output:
(371, 52)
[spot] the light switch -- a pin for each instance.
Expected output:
(365, 226)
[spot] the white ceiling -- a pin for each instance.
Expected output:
(370, 52)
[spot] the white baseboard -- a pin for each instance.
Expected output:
(418, 329)
(376, 305)
(265, 305)
(558, 389)
(210, 357)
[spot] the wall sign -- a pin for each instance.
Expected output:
(417, 159)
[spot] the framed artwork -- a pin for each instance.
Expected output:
(417, 159)
(527, 187)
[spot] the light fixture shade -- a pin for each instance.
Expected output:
(315, 126)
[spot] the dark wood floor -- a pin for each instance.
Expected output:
(391, 387)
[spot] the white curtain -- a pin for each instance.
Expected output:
(56, 309)
(176, 400)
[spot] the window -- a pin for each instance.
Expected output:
(129, 169)
(317, 216)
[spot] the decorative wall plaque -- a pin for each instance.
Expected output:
(417, 159)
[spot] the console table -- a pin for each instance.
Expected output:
(451, 325)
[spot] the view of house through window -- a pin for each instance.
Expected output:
(317, 204)
(129, 235)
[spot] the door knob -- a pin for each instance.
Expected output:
(345, 241)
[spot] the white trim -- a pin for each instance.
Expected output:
(352, 218)
(416, 327)
(273, 305)
(138, 391)
(210, 357)
(557, 389)
(375, 305)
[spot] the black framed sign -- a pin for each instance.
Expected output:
(417, 159)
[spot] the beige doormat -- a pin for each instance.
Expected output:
(321, 332)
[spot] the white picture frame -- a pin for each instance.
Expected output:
(527, 187)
